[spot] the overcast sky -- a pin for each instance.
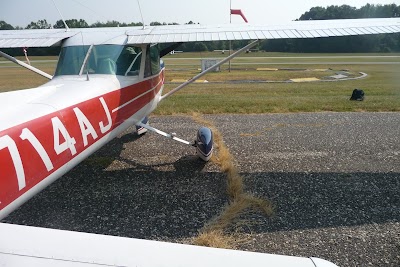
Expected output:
(22, 12)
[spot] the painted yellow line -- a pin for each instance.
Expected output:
(266, 69)
(319, 70)
(178, 80)
(299, 80)
(183, 80)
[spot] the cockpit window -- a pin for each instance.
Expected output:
(71, 60)
(103, 59)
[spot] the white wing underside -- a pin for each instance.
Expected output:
(197, 33)
(33, 38)
(32, 246)
(294, 29)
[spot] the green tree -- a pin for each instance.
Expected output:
(155, 23)
(132, 24)
(72, 23)
(200, 47)
(364, 43)
(5, 26)
(109, 23)
(40, 24)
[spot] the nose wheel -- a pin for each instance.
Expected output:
(204, 143)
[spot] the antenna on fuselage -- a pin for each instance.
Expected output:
(62, 18)
(141, 15)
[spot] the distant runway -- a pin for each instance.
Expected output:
(334, 178)
(32, 61)
(300, 57)
(321, 63)
(301, 60)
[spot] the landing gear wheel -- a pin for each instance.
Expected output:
(204, 143)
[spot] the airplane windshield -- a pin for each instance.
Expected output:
(103, 59)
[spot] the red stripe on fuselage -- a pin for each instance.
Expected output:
(87, 120)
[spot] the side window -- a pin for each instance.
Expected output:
(155, 59)
(147, 67)
(128, 62)
(152, 65)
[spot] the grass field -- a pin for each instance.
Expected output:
(381, 86)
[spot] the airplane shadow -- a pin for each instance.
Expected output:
(167, 197)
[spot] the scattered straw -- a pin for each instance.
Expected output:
(214, 233)
(214, 239)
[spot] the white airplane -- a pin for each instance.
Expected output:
(106, 80)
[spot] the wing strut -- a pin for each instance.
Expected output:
(209, 69)
(23, 64)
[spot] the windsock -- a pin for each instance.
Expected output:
(25, 49)
(238, 12)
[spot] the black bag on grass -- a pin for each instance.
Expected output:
(357, 95)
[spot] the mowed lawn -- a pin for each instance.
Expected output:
(14, 77)
(381, 86)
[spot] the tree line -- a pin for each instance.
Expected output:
(75, 23)
(346, 44)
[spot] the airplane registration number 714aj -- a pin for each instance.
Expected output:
(34, 156)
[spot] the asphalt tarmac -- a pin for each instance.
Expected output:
(333, 177)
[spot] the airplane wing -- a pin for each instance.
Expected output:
(33, 246)
(33, 38)
(198, 33)
(294, 29)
